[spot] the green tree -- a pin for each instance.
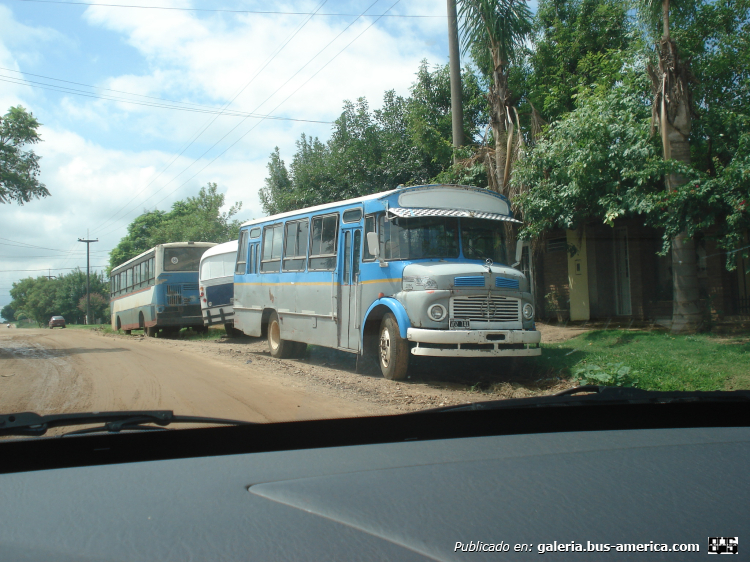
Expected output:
(195, 219)
(8, 313)
(99, 305)
(494, 32)
(275, 194)
(574, 44)
(407, 141)
(19, 168)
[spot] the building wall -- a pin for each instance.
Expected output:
(649, 275)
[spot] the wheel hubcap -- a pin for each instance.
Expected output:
(275, 335)
(385, 347)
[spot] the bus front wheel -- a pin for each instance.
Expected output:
(280, 349)
(151, 331)
(393, 350)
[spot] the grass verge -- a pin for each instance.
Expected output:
(651, 360)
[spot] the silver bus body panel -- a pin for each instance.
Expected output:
(323, 308)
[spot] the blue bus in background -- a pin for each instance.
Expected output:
(216, 285)
(158, 290)
(414, 271)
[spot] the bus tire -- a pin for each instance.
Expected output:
(151, 331)
(118, 324)
(127, 332)
(393, 350)
(279, 349)
(231, 331)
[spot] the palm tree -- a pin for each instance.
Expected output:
(672, 111)
(494, 31)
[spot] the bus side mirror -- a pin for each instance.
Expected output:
(374, 247)
(372, 244)
(519, 252)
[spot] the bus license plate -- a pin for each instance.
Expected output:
(455, 324)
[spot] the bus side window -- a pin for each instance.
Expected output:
(152, 270)
(323, 243)
(241, 254)
(272, 243)
(251, 259)
(357, 246)
(295, 248)
(369, 227)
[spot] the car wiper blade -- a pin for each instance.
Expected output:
(31, 423)
(587, 395)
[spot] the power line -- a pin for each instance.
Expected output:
(221, 10)
(194, 108)
(44, 269)
(259, 106)
(210, 122)
(20, 244)
(285, 99)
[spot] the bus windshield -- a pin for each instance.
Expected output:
(183, 259)
(482, 239)
(437, 237)
(419, 238)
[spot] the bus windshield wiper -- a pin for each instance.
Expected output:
(31, 423)
(600, 395)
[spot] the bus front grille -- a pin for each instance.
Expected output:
(486, 309)
(174, 295)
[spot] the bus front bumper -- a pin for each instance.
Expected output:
(475, 343)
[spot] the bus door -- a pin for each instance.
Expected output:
(349, 294)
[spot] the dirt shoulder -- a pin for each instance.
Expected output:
(432, 382)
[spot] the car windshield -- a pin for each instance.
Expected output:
(394, 246)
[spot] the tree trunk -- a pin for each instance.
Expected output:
(673, 106)
(498, 97)
(686, 314)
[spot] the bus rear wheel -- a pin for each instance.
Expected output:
(393, 350)
(279, 349)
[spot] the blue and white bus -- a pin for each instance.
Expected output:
(216, 280)
(158, 289)
(415, 271)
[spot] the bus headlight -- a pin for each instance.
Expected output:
(418, 283)
(437, 312)
(528, 311)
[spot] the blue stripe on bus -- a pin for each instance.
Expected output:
(469, 281)
(503, 283)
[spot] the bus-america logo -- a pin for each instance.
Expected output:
(723, 545)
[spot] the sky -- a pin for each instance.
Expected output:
(98, 77)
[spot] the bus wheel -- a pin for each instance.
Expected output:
(119, 324)
(393, 350)
(151, 331)
(280, 349)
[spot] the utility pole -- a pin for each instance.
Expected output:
(457, 110)
(88, 292)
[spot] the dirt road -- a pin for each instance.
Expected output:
(76, 370)
(51, 371)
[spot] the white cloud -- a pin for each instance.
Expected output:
(108, 151)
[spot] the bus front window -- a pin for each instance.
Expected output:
(482, 239)
(419, 238)
(183, 259)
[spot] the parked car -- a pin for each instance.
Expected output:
(56, 321)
